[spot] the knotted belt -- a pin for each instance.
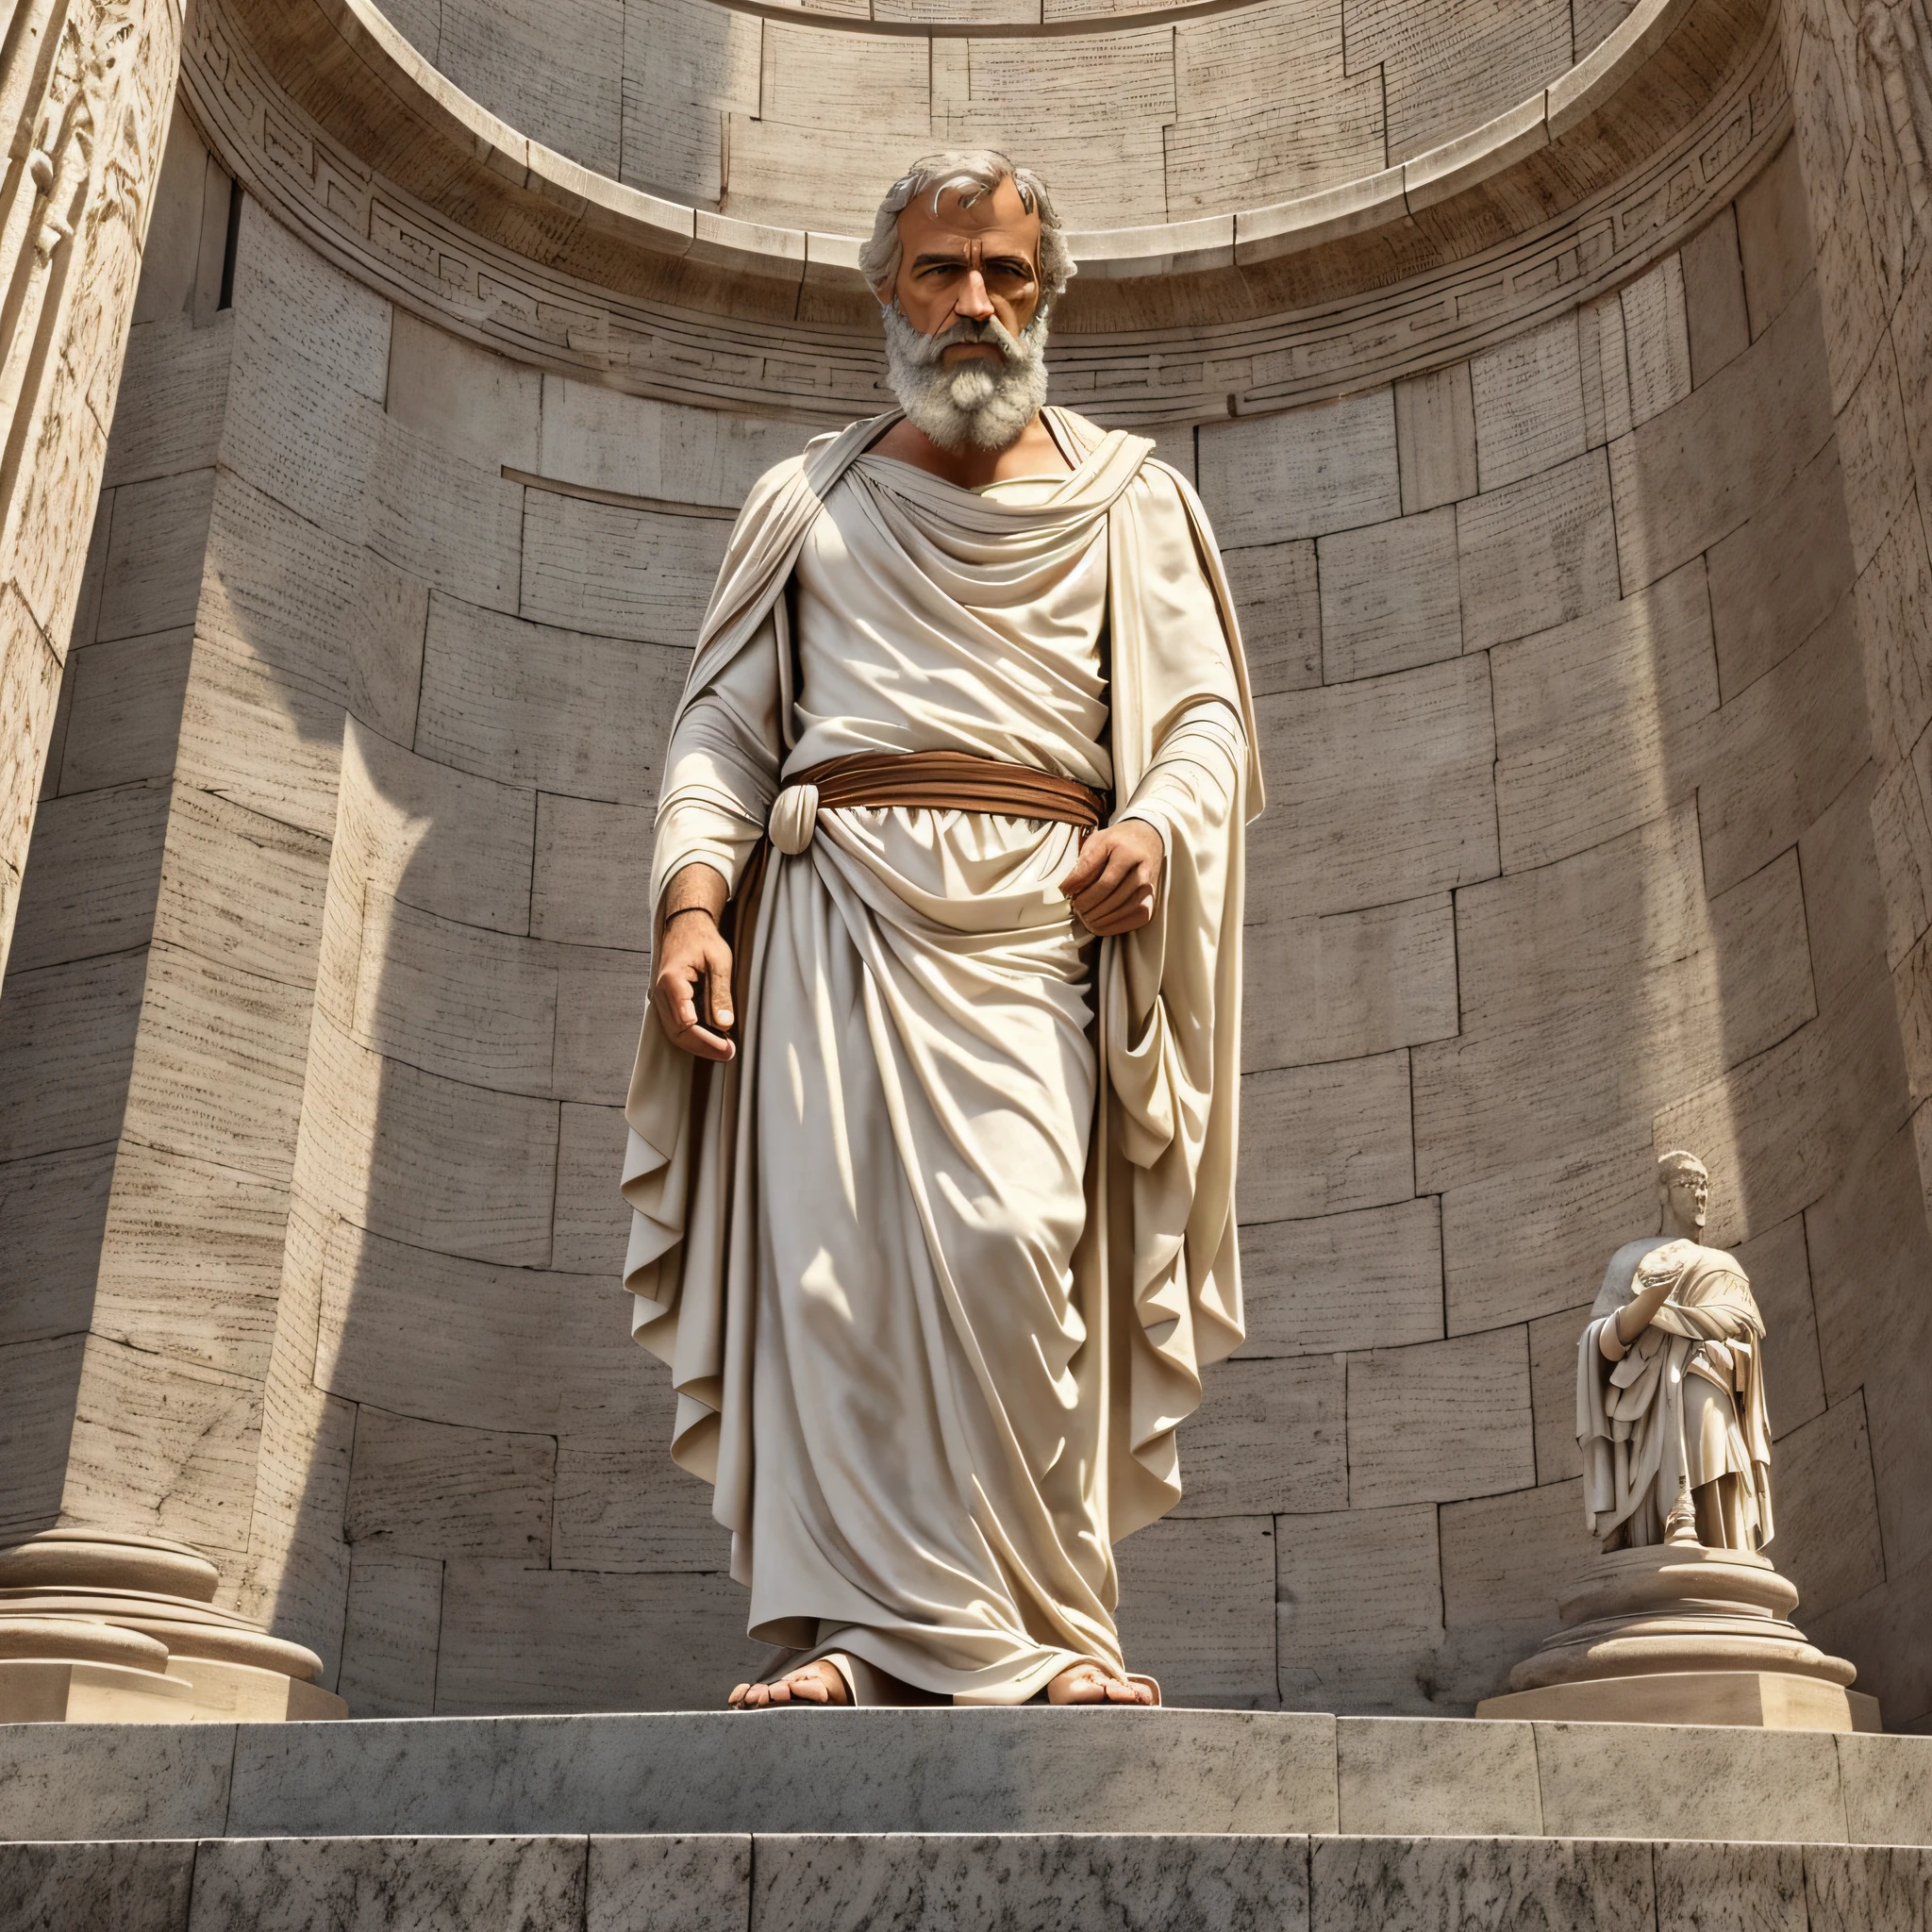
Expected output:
(920, 780)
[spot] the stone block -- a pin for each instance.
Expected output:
(623, 1505)
(457, 1000)
(447, 1166)
(56, 1206)
(1439, 1421)
(1339, 985)
(1719, 1888)
(601, 996)
(885, 83)
(1360, 1609)
(1716, 314)
(1390, 598)
(1142, 1884)
(464, 1341)
(64, 1783)
(73, 1888)
(1378, 792)
(614, 571)
(1888, 1790)
(1894, 605)
(554, 1640)
(288, 1884)
(592, 1223)
(1197, 1608)
(1410, 1884)
(164, 1447)
(1826, 1508)
(1774, 238)
(328, 316)
(1657, 341)
(1844, 900)
(592, 881)
(1537, 553)
(151, 580)
(484, 404)
(67, 1036)
(1328, 466)
(1369, 1279)
(124, 711)
(90, 889)
(174, 382)
(432, 1489)
(1764, 959)
(37, 1382)
(1691, 476)
(1598, 721)
(389, 1635)
(682, 74)
(557, 81)
(1325, 1139)
(448, 521)
(385, 670)
(219, 1065)
(1552, 1341)
(189, 1262)
(670, 1884)
(1606, 370)
(553, 710)
(1646, 1780)
(1780, 1273)
(1279, 604)
(1435, 438)
(1395, 1775)
(1528, 397)
(1849, 1887)
(1268, 1437)
(1774, 579)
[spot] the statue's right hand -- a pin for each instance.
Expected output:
(691, 986)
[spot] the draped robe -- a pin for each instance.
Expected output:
(937, 1259)
(1683, 1407)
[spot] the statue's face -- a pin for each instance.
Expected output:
(975, 263)
(1689, 1194)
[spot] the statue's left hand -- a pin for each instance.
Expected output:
(1116, 881)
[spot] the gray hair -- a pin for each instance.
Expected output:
(974, 173)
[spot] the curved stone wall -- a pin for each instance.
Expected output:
(331, 955)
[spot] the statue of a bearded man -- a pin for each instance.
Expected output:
(932, 1146)
(1670, 1386)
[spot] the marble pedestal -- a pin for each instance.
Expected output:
(100, 1627)
(1674, 1633)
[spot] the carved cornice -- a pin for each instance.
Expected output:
(338, 124)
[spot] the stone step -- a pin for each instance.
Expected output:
(941, 1882)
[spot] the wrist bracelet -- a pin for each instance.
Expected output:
(683, 910)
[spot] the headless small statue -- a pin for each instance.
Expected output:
(1669, 1388)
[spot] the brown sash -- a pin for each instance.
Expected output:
(923, 780)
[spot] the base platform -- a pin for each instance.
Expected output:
(1770, 1700)
(1053, 1821)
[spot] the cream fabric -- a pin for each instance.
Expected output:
(932, 1313)
(1685, 1401)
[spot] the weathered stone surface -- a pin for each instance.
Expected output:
(601, 995)
(1395, 1775)
(90, 888)
(1537, 553)
(1342, 985)
(141, 1888)
(1327, 467)
(124, 710)
(1196, 1884)
(38, 1380)
(445, 519)
(463, 395)
(1719, 1888)
(698, 1884)
(1391, 1885)
(1435, 438)
(1378, 792)
(1369, 1279)
(1552, 1341)
(1716, 314)
(592, 1220)
(1827, 1541)
(1439, 1419)
(1360, 1608)
(1774, 238)
(1335, 1136)
(60, 1783)
(152, 579)
(1278, 602)
(615, 571)
(56, 1207)
(284, 1884)
(1268, 1437)
(1888, 1790)
(1503, 1559)
(435, 1490)
(66, 1036)
(1197, 1608)
(1390, 598)
(622, 1504)
(389, 1636)
(591, 880)
(1846, 1887)
(1528, 404)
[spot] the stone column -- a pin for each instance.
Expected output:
(85, 92)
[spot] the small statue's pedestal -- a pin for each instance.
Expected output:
(101, 1627)
(1677, 1634)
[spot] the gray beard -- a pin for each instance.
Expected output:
(982, 405)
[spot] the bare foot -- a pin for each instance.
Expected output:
(813, 1683)
(1090, 1684)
